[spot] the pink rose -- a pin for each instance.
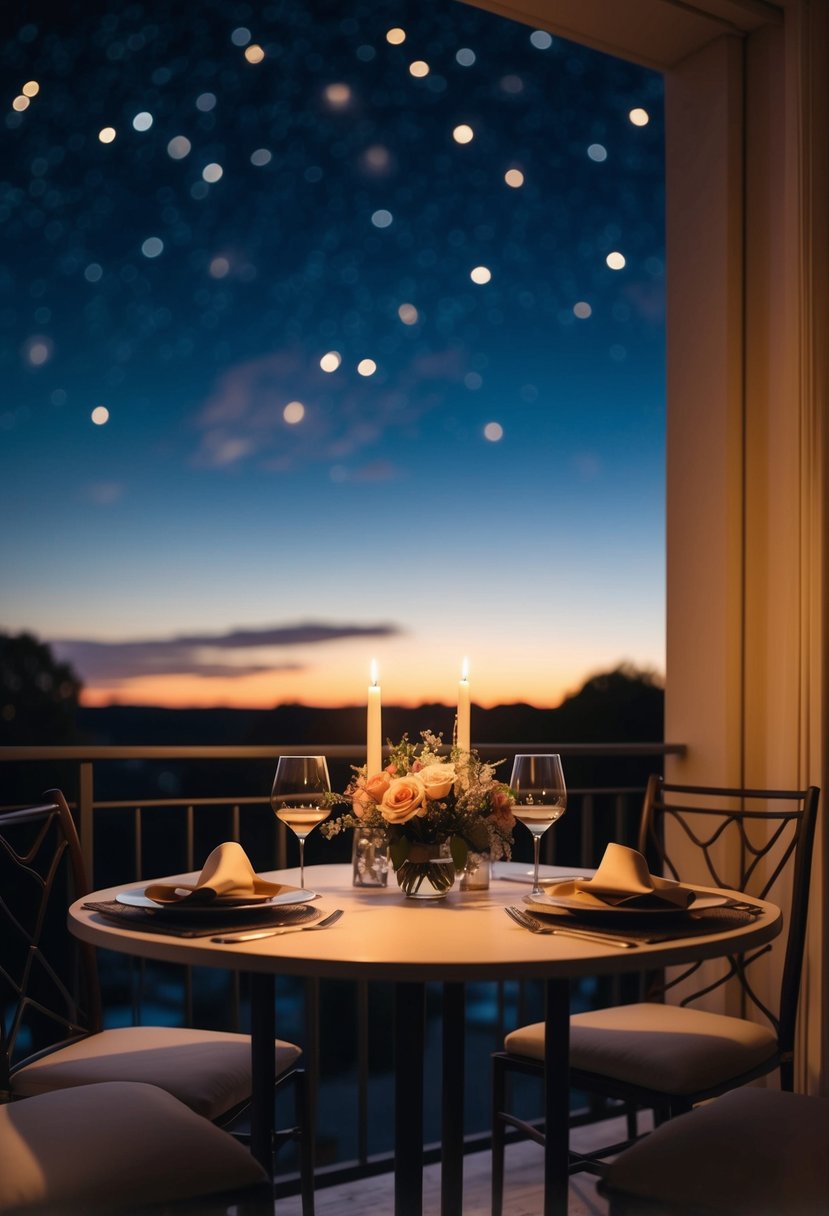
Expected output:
(501, 804)
(404, 799)
(361, 804)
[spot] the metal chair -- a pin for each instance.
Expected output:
(51, 1034)
(752, 1152)
(668, 1057)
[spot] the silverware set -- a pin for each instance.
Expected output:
(252, 935)
(526, 921)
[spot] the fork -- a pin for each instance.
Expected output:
(252, 935)
(535, 926)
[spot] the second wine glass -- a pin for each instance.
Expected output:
(540, 799)
(300, 797)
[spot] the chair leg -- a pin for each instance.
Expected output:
(498, 1130)
(306, 1144)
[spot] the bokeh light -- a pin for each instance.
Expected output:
(480, 274)
(179, 147)
(408, 314)
(338, 95)
(494, 432)
(366, 367)
(463, 134)
(38, 350)
(293, 412)
(106, 135)
(616, 260)
(514, 178)
(152, 247)
(331, 360)
(100, 415)
(639, 117)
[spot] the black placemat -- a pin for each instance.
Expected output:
(148, 920)
(693, 924)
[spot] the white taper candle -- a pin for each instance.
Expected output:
(374, 731)
(464, 714)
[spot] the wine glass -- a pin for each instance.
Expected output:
(299, 797)
(540, 798)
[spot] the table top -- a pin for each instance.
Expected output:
(385, 936)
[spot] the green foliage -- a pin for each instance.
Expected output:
(38, 694)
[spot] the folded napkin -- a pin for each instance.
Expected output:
(227, 877)
(623, 881)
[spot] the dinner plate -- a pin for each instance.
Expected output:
(549, 903)
(288, 895)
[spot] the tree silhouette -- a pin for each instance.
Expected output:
(38, 694)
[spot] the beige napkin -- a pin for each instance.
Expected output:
(227, 876)
(622, 881)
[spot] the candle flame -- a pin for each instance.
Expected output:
(374, 673)
(465, 669)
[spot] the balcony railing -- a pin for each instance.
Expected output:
(147, 811)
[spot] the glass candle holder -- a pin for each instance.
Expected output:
(370, 858)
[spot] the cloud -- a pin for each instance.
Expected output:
(199, 654)
(103, 493)
(345, 413)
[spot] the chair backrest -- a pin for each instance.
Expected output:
(49, 992)
(758, 842)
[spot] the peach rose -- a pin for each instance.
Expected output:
(437, 779)
(367, 792)
(404, 799)
(377, 785)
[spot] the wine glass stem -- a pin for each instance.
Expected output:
(301, 861)
(536, 857)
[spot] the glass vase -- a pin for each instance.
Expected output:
(428, 872)
(370, 858)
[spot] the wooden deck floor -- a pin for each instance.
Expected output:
(523, 1194)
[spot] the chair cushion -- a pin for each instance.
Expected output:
(208, 1070)
(110, 1147)
(753, 1152)
(666, 1048)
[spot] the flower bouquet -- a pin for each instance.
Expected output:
(435, 810)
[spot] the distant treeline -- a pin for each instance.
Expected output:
(620, 706)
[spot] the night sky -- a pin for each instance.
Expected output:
(312, 352)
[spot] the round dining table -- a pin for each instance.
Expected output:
(382, 935)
